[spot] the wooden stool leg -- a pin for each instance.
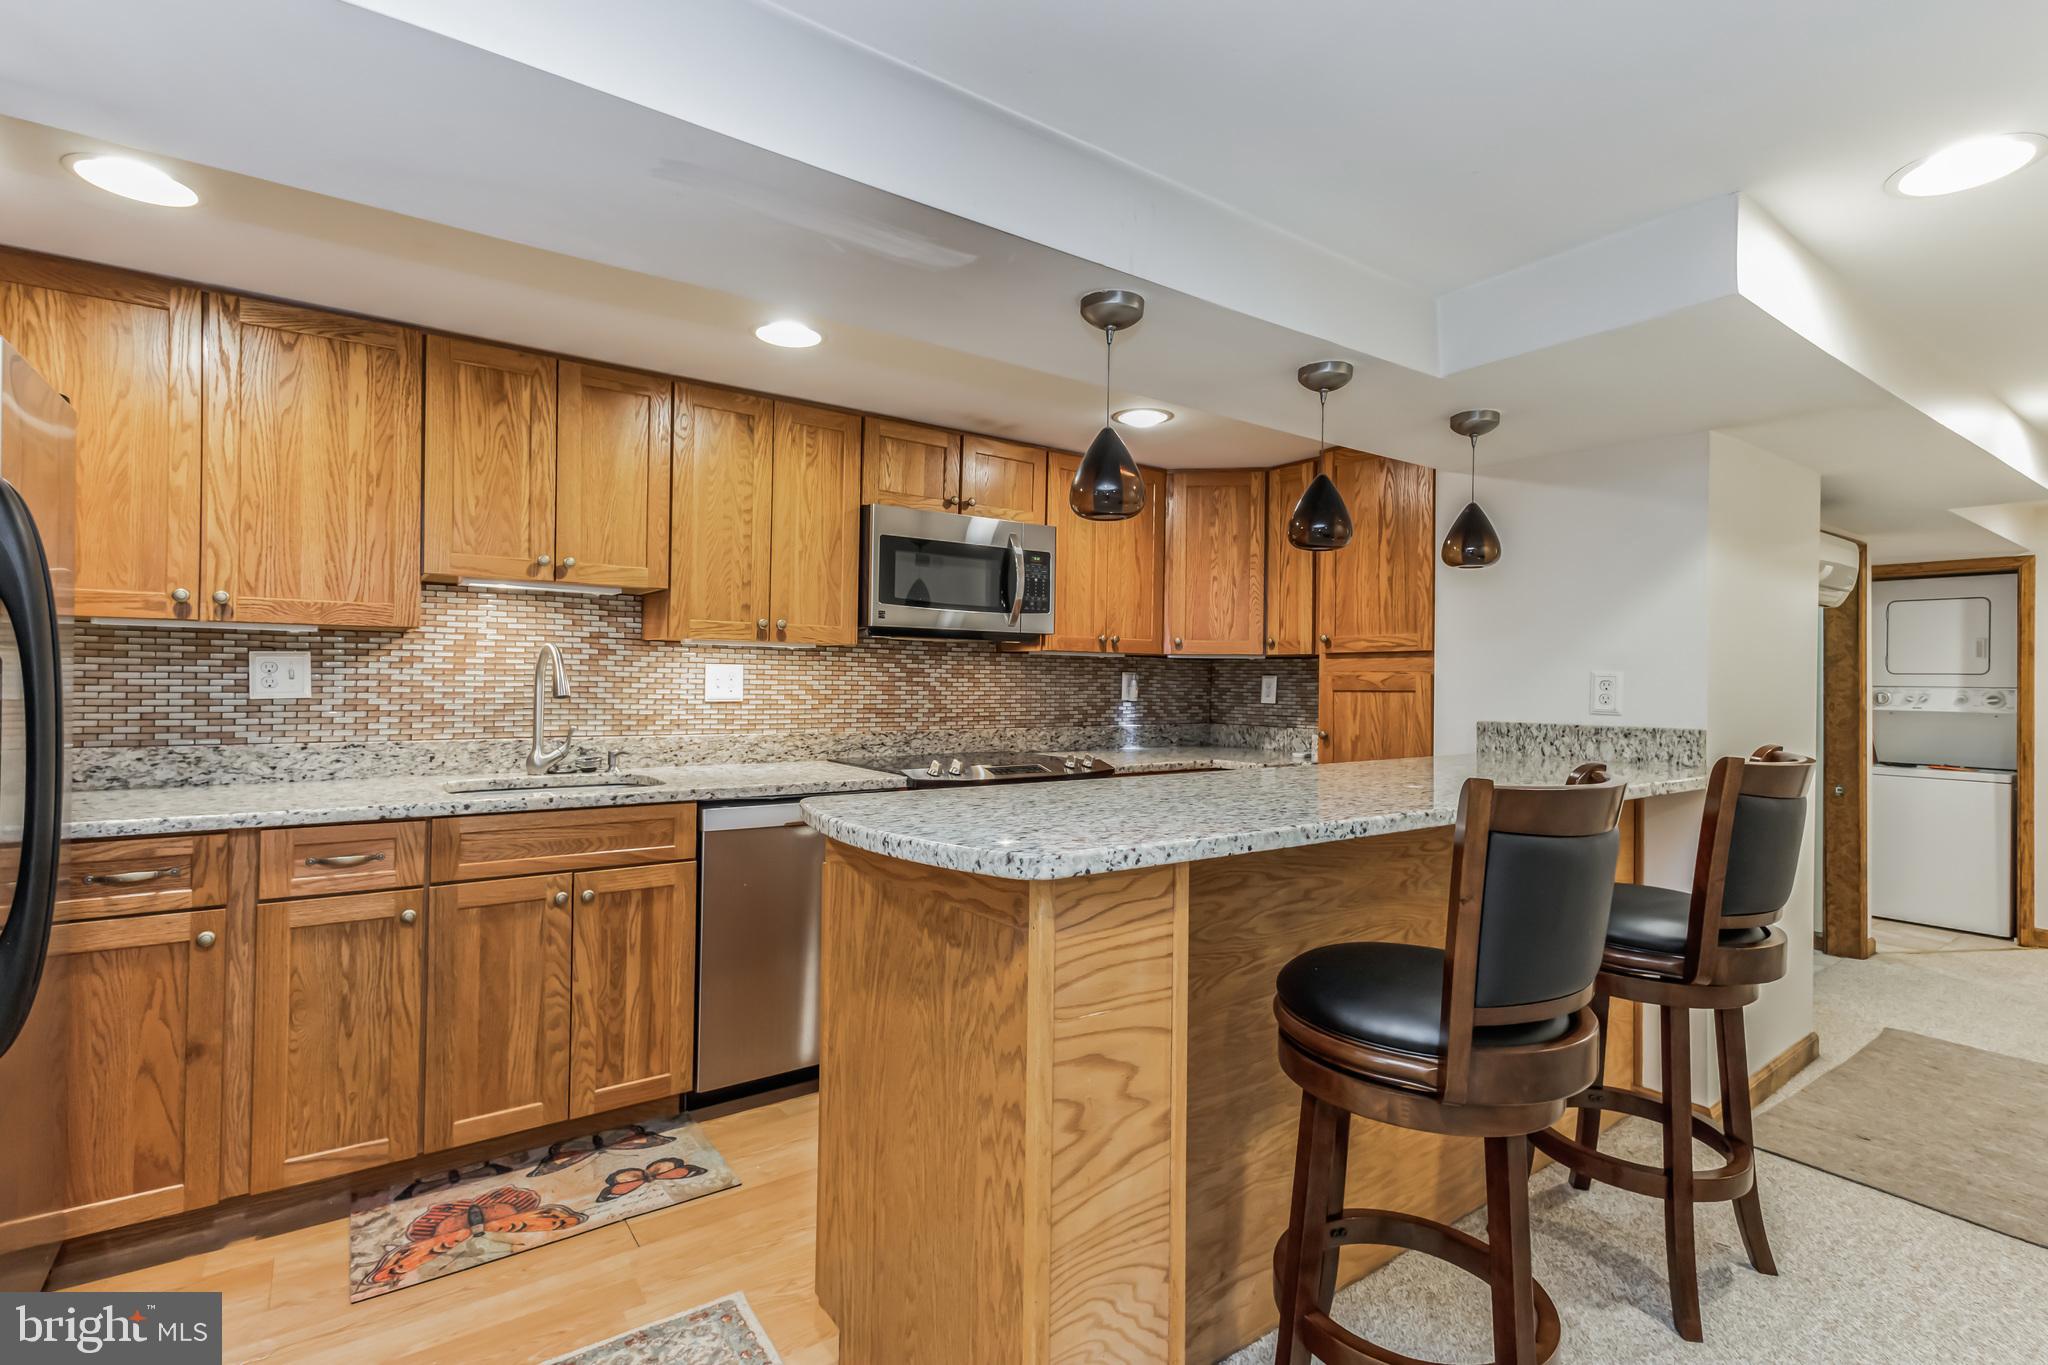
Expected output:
(1589, 1119)
(1680, 1256)
(1507, 1240)
(1307, 1268)
(1732, 1046)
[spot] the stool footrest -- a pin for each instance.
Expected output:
(1731, 1180)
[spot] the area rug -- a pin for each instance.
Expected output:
(1953, 1128)
(725, 1332)
(440, 1224)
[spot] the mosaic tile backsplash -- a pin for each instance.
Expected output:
(467, 675)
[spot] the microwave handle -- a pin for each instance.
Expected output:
(1016, 581)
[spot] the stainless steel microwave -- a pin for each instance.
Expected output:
(938, 573)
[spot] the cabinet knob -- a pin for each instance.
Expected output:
(586, 896)
(761, 624)
(181, 595)
(966, 503)
(220, 597)
(1115, 641)
(408, 916)
(1102, 639)
(206, 938)
(543, 560)
(1176, 642)
(568, 561)
(561, 898)
(1324, 638)
(1323, 735)
(1271, 642)
(949, 501)
(782, 623)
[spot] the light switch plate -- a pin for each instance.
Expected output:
(1606, 698)
(1269, 689)
(1130, 687)
(280, 673)
(725, 682)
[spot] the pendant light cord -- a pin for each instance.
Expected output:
(1475, 468)
(1322, 421)
(1108, 350)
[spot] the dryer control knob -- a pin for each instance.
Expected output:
(1994, 698)
(1962, 698)
(1884, 699)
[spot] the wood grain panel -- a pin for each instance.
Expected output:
(125, 349)
(719, 559)
(1002, 479)
(238, 1031)
(1080, 617)
(312, 466)
(102, 878)
(1130, 573)
(1844, 930)
(612, 477)
(627, 931)
(324, 860)
(1378, 594)
(497, 1006)
(908, 465)
(1290, 573)
(120, 1067)
(337, 1057)
(1375, 708)
(489, 461)
(470, 847)
(816, 526)
(1216, 561)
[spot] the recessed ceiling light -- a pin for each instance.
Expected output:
(787, 332)
(1142, 417)
(1968, 164)
(132, 179)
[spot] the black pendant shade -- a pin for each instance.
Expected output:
(1471, 543)
(1106, 484)
(1321, 521)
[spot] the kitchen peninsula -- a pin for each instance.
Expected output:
(1051, 1118)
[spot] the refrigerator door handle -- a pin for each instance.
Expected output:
(28, 597)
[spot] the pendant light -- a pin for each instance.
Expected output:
(1107, 486)
(1321, 521)
(1472, 543)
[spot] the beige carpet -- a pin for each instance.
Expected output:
(1952, 1128)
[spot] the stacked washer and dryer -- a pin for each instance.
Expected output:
(1945, 743)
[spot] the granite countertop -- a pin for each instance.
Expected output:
(1045, 831)
(1167, 758)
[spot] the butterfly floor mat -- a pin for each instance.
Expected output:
(456, 1219)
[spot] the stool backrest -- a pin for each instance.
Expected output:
(1751, 834)
(1532, 883)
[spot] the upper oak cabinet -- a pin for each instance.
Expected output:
(1377, 595)
(1001, 479)
(125, 349)
(1290, 572)
(1108, 576)
(1215, 561)
(312, 473)
(766, 514)
(612, 477)
(907, 465)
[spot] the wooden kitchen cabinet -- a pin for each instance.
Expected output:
(114, 1086)
(125, 349)
(907, 465)
(497, 1008)
(1078, 621)
(1378, 594)
(1216, 561)
(612, 477)
(337, 1036)
(1290, 573)
(1001, 479)
(106, 878)
(814, 530)
(1371, 708)
(489, 461)
(633, 985)
(1108, 576)
(312, 467)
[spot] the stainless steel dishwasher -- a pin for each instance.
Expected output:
(757, 943)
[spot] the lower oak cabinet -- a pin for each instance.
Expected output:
(1371, 708)
(633, 983)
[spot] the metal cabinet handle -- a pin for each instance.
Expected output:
(1271, 642)
(568, 561)
(136, 878)
(1323, 735)
(1116, 641)
(407, 916)
(949, 501)
(1102, 639)
(543, 560)
(344, 859)
(181, 595)
(761, 624)
(206, 938)
(561, 898)
(1324, 638)
(220, 597)
(782, 623)
(1176, 642)
(587, 896)
(966, 503)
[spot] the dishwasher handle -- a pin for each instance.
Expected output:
(758, 815)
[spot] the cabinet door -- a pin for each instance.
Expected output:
(910, 466)
(490, 462)
(497, 1009)
(113, 1090)
(125, 349)
(1216, 561)
(723, 498)
(816, 525)
(337, 1060)
(635, 936)
(1290, 573)
(1375, 708)
(1378, 594)
(312, 467)
(1130, 573)
(612, 478)
(1002, 479)
(1080, 620)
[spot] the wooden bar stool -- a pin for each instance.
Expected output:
(1486, 1037)
(1712, 948)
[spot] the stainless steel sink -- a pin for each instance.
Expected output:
(551, 782)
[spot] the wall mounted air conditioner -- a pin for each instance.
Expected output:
(1839, 561)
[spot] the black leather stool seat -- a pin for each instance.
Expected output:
(1655, 918)
(1389, 995)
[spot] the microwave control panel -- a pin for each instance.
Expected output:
(1037, 580)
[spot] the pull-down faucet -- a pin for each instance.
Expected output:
(542, 758)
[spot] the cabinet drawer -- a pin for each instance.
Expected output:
(324, 859)
(110, 877)
(469, 847)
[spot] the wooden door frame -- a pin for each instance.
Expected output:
(2025, 927)
(1844, 928)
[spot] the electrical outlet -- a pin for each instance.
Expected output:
(725, 682)
(1606, 694)
(1269, 689)
(1130, 687)
(286, 673)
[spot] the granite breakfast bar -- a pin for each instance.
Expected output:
(1052, 1126)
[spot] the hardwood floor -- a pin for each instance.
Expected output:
(285, 1295)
